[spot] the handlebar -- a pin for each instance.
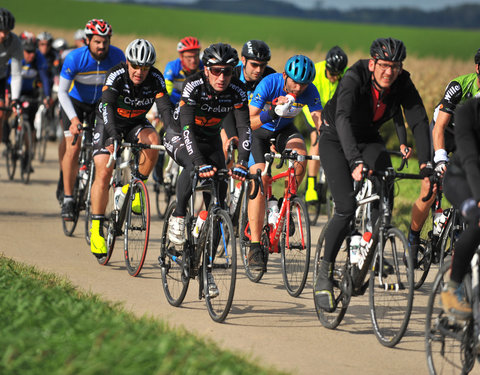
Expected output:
(287, 154)
(113, 155)
(435, 179)
(80, 127)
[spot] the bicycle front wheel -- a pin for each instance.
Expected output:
(109, 227)
(137, 227)
(163, 194)
(391, 288)
(88, 203)
(70, 225)
(448, 343)
(174, 263)
(295, 248)
(11, 153)
(26, 152)
(220, 261)
(42, 137)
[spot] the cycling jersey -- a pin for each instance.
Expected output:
(271, 87)
(125, 105)
(325, 88)
(83, 76)
(174, 78)
(11, 49)
(53, 62)
(201, 109)
(35, 74)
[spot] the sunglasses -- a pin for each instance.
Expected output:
(227, 71)
(143, 68)
(256, 65)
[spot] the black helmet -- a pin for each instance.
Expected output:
(7, 21)
(256, 50)
(220, 54)
(388, 49)
(29, 42)
(336, 60)
(477, 57)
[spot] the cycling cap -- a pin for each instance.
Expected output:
(7, 21)
(300, 68)
(220, 54)
(59, 44)
(477, 57)
(336, 60)
(79, 34)
(29, 42)
(98, 27)
(140, 52)
(388, 49)
(187, 44)
(256, 50)
(45, 36)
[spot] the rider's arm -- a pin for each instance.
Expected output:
(109, 103)
(16, 68)
(317, 118)
(187, 124)
(64, 99)
(438, 135)
(242, 122)
(43, 72)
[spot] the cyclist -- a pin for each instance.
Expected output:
(277, 99)
(329, 73)
(80, 87)
(129, 92)
(250, 70)
(207, 97)
(371, 92)
(10, 50)
(442, 126)
(461, 188)
(79, 38)
(45, 40)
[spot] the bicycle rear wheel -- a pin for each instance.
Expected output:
(88, 203)
(313, 209)
(42, 137)
(26, 151)
(220, 240)
(174, 263)
(391, 288)
(424, 254)
(11, 151)
(448, 344)
(342, 283)
(137, 228)
(295, 248)
(70, 225)
(163, 194)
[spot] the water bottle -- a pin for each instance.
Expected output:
(83, 177)
(355, 240)
(202, 216)
(235, 196)
(365, 244)
(283, 109)
(439, 219)
(272, 211)
(119, 196)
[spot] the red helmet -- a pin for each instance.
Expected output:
(188, 43)
(98, 27)
(29, 42)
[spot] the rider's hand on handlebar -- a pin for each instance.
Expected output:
(426, 170)
(406, 151)
(75, 126)
(239, 172)
(233, 140)
(206, 171)
(441, 167)
(357, 173)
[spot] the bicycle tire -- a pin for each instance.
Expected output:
(220, 239)
(313, 209)
(446, 341)
(342, 284)
(253, 275)
(43, 137)
(174, 264)
(109, 227)
(26, 151)
(70, 225)
(11, 151)
(296, 257)
(448, 238)
(391, 298)
(137, 229)
(88, 203)
(163, 196)
(425, 253)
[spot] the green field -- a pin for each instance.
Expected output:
(296, 34)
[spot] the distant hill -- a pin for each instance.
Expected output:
(458, 17)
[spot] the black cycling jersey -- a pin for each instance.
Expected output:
(349, 114)
(125, 105)
(201, 109)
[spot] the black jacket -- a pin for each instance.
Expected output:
(349, 114)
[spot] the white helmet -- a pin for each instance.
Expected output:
(141, 52)
(59, 44)
(79, 34)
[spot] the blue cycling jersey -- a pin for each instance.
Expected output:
(88, 74)
(174, 77)
(271, 87)
(34, 72)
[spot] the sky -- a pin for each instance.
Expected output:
(427, 5)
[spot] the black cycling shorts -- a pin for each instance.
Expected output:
(81, 109)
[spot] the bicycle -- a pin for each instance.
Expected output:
(211, 256)
(452, 345)
(324, 202)
(83, 181)
(290, 234)
(19, 144)
(387, 260)
(120, 209)
(42, 121)
(165, 190)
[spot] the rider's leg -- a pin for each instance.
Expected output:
(313, 167)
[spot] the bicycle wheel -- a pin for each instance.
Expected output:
(391, 290)
(88, 203)
(109, 227)
(11, 151)
(244, 238)
(342, 283)
(70, 225)
(313, 209)
(42, 137)
(137, 228)
(425, 253)
(448, 344)
(295, 248)
(220, 240)
(26, 152)
(163, 194)
(174, 263)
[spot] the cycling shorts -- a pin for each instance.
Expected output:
(81, 109)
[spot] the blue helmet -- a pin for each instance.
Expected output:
(300, 68)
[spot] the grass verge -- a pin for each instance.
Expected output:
(49, 327)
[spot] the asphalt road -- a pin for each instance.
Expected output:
(265, 323)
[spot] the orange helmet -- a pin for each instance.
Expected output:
(188, 43)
